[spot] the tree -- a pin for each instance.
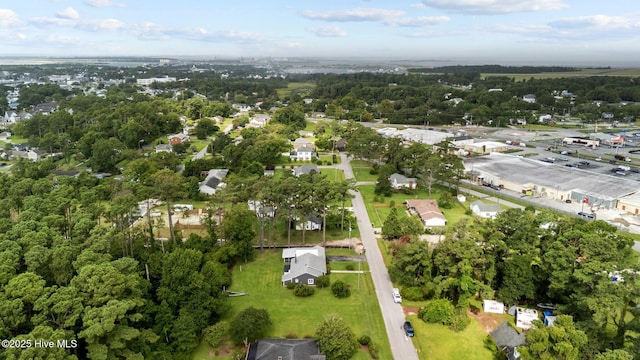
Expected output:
(335, 339)
(340, 289)
(168, 185)
(238, 231)
(560, 341)
(292, 115)
(249, 325)
(391, 228)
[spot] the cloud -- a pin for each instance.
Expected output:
(99, 3)
(68, 13)
(418, 6)
(358, 14)
(596, 22)
(328, 31)
(8, 18)
(495, 6)
(419, 21)
(384, 16)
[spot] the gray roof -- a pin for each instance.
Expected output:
(507, 337)
(487, 207)
(304, 149)
(214, 178)
(401, 179)
(287, 349)
(305, 169)
(520, 170)
(307, 263)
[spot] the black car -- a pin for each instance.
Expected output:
(408, 329)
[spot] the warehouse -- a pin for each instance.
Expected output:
(532, 177)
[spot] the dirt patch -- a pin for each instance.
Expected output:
(223, 351)
(488, 322)
(410, 310)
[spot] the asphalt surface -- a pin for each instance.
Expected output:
(401, 346)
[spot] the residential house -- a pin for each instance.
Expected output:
(507, 339)
(178, 138)
(46, 108)
(259, 121)
(305, 169)
(303, 265)
(36, 155)
(302, 154)
(485, 210)
(263, 211)
(284, 349)
(399, 181)
(5, 135)
(213, 181)
(302, 142)
(164, 148)
(428, 211)
(530, 98)
(312, 223)
(11, 116)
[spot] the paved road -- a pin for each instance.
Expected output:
(200, 154)
(401, 347)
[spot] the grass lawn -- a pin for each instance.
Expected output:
(438, 342)
(301, 88)
(378, 211)
(361, 171)
(261, 280)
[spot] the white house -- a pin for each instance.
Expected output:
(312, 223)
(428, 211)
(213, 181)
(164, 148)
(399, 181)
(485, 210)
(302, 154)
(302, 142)
(530, 98)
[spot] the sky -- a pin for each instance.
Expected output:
(554, 32)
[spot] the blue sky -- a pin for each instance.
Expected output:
(476, 31)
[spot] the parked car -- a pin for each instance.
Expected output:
(396, 296)
(408, 329)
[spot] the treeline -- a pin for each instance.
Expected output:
(587, 269)
(73, 269)
(493, 69)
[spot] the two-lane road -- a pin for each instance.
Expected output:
(401, 347)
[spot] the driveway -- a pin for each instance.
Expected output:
(401, 346)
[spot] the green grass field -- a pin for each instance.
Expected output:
(570, 74)
(378, 211)
(438, 342)
(361, 170)
(261, 280)
(301, 88)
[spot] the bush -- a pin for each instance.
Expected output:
(364, 340)
(323, 281)
(318, 162)
(340, 289)
(303, 290)
(412, 293)
(374, 352)
(214, 335)
(291, 336)
(291, 286)
(460, 320)
(439, 311)
(350, 267)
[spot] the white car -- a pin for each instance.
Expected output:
(396, 296)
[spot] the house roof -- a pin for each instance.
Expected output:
(302, 141)
(486, 207)
(401, 179)
(307, 263)
(213, 179)
(507, 337)
(305, 169)
(284, 349)
(304, 149)
(426, 208)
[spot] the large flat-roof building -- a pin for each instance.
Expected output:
(537, 178)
